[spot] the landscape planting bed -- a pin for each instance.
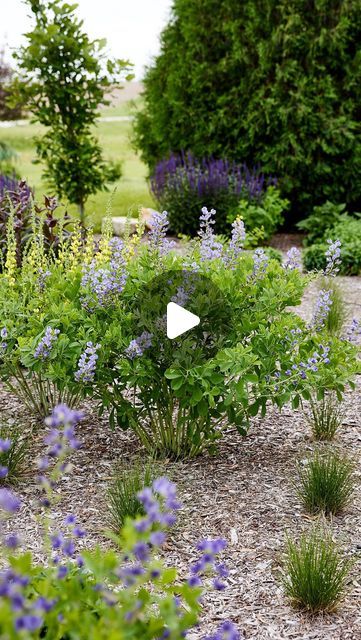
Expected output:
(243, 494)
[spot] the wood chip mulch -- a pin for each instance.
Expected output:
(244, 494)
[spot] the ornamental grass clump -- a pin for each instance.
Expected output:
(125, 592)
(325, 417)
(315, 573)
(122, 500)
(325, 482)
(336, 314)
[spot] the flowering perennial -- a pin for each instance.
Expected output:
(333, 258)
(103, 285)
(210, 247)
(260, 263)
(137, 346)
(157, 236)
(45, 346)
(322, 309)
(293, 259)
(87, 363)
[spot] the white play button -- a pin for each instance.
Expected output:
(179, 320)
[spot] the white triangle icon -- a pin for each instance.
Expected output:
(179, 320)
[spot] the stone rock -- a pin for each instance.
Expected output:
(120, 222)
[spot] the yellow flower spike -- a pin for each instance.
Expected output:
(75, 249)
(89, 247)
(10, 262)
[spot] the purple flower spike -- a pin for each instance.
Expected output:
(45, 346)
(87, 363)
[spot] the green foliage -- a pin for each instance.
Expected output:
(14, 458)
(7, 158)
(321, 220)
(315, 573)
(325, 418)
(274, 83)
(70, 77)
(325, 483)
(122, 492)
(175, 400)
(266, 215)
(348, 231)
(7, 112)
(126, 592)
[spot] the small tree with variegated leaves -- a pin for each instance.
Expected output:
(66, 77)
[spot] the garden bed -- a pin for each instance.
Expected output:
(243, 494)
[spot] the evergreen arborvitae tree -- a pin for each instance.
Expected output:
(274, 82)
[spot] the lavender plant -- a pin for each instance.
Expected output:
(183, 184)
(101, 593)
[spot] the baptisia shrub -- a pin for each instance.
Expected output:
(97, 327)
(99, 594)
(181, 184)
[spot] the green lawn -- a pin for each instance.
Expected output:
(132, 189)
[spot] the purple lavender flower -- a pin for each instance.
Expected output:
(210, 248)
(3, 472)
(157, 235)
(45, 346)
(293, 259)
(260, 263)
(322, 309)
(8, 501)
(87, 363)
(137, 346)
(333, 255)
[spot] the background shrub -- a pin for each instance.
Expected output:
(322, 218)
(325, 483)
(183, 184)
(348, 231)
(7, 112)
(273, 83)
(315, 573)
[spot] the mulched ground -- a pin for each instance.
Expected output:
(244, 494)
